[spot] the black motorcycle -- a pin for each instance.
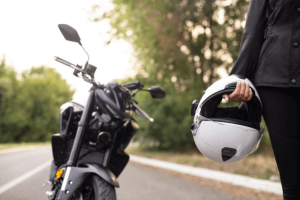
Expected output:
(88, 153)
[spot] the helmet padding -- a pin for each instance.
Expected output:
(243, 114)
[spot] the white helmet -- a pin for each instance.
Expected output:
(226, 135)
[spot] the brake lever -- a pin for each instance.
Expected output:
(142, 112)
(138, 113)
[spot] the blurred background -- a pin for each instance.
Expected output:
(182, 45)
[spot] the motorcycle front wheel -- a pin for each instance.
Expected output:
(95, 188)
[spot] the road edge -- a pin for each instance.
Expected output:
(234, 179)
(22, 148)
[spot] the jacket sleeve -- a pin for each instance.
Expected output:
(252, 39)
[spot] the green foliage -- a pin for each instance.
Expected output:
(180, 39)
(30, 106)
(181, 45)
(169, 131)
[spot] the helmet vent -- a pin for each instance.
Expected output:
(228, 153)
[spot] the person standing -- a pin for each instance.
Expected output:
(269, 56)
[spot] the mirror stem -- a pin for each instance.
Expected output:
(86, 53)
(134, 93)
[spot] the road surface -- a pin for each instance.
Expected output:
(137, 182)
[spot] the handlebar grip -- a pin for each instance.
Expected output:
(62, 61)
(133, 85)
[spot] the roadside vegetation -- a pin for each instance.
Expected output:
(30, 103)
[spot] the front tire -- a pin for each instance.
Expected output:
(95, 188)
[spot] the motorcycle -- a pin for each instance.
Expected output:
(88, 153)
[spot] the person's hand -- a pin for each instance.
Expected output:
(241, 93)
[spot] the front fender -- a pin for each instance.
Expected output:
(74, 177)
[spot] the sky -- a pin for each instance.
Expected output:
(29, 36)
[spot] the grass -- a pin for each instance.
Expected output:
(15, 145)
(257, 166)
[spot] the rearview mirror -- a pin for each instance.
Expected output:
(69, 33)
(157, 92)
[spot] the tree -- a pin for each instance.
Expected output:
(8, 83)
(32, 111)
(184, 41)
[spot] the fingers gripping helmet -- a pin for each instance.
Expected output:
(226, 135)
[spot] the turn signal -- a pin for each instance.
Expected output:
(59, 173)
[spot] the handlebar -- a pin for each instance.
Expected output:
(130, 86)
(133, 85)
(76, 67)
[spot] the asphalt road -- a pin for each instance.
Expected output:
(137, 182)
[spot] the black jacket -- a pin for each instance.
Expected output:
(270, 52)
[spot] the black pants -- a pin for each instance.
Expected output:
(282, 116)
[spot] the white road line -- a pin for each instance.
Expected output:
(22, 178)
(234, 179)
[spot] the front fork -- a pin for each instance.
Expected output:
(74, 176)
(77, 144)
(81, 129)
